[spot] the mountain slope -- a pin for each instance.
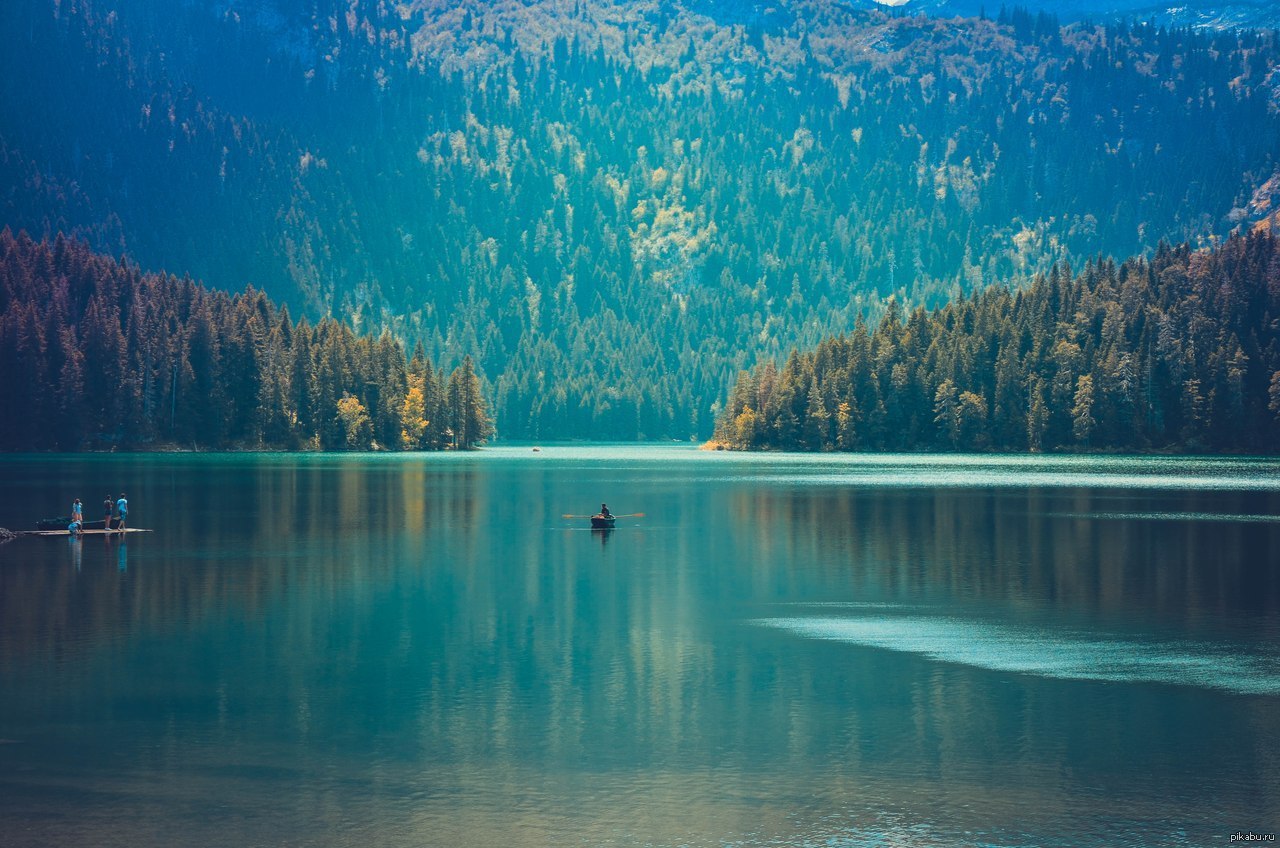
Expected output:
(617, 206)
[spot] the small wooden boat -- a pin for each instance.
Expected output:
(601, 522)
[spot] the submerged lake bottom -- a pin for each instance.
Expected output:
(768, 650)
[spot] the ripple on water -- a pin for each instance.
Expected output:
(1067, 655)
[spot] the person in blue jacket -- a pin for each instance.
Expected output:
(77, 517)
(122, 509)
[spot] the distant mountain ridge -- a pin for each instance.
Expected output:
(617, 206)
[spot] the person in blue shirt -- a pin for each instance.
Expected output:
(77, 511)
(122, 508)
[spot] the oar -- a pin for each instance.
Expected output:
(628, 515)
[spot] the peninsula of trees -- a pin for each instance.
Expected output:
(1180, 353)
(97, 355)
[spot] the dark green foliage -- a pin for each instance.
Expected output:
(616, 209)
(1179, 352)
(96, 355)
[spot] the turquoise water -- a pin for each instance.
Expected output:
(783, 650)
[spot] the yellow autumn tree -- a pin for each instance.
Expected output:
(354, 420)
(413, 415)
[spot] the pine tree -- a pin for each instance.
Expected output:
(971, 422)
(1273, 394)
(743, 434)
(1082, 421)
(816, 422)
(467, 409)
(1037, 416)
(1194, 409)
(846, 426)
(945, 403)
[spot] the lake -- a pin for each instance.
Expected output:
(420, 650)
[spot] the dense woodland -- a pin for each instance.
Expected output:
(616, 207)
(1181, 352)
(97, 355)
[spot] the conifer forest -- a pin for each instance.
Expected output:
(1175, 353)
(109, 357)
(605, 212)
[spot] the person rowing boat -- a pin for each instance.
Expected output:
(604, 518)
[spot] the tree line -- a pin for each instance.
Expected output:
(1178, 352)
(98, 355)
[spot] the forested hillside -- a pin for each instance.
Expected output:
(97, 355)
(1201, 14)
(1181, 352)
(615, 207)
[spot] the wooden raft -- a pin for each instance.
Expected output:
(82, 532)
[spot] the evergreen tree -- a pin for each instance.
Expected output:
(1037, 416)
(1082, 421)
(1274, 394)
(469, 413)
(971, 422)
(946, 403)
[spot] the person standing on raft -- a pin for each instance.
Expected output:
(122, 507)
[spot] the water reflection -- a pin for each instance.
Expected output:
(1069, 548)
(423, 651)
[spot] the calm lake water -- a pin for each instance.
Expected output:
(784, 650)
